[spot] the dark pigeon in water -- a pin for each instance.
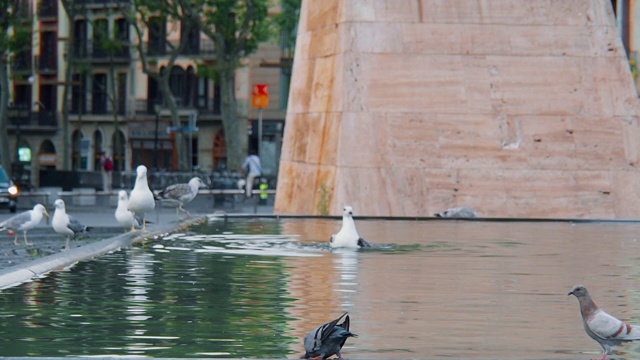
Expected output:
(348, 235)
(65, 224)
(602, 327)
(327, 340)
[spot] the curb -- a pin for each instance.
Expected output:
(18, 274)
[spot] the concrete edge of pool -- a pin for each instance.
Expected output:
(20, 273)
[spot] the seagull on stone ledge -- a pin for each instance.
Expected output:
(24, 222)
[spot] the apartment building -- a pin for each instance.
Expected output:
(115, 107)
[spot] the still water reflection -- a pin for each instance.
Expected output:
(253, 288)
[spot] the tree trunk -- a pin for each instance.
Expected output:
(163, 84)
(235, 127)
(5, 151)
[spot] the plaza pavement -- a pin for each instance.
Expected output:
(20, 263)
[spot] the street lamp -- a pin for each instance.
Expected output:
(157, 108)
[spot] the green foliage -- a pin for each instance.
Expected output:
(323, 202)
(15, 28)
(237, 27)
(287, 21)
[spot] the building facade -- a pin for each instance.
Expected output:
(114, 107)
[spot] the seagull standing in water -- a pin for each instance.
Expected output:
(24, 222)
(182, 193)
(65, 224)
(124, 217)
(141, 200)
(348, 235)
(327, 340)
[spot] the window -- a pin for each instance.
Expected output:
(99, 94)
(78, 94)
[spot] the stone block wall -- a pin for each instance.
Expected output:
(409, 107)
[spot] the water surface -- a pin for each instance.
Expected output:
(254, 287)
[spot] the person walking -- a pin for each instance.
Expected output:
(253, 169)
(106, 165)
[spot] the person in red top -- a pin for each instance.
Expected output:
(106, 169)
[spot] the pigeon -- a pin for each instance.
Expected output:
(182, 193)
(602, 327)
(24, 222)
(141, 200)
(348, 235)
(125, 217)
(327, 340)
(458, 212)
(66, 225)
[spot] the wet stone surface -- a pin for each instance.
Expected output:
(44, 241)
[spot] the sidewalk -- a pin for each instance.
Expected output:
(19, 263)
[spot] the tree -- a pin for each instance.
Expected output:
(145, 13)
(15, 36)
(236, 27)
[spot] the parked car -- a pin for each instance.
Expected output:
(8, 192)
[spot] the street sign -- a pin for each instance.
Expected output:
(260, 96)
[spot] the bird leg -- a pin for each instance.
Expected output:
(144, 224)
(15, 240)
(68, 242)
(26, 241)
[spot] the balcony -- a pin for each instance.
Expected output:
(22, 62)
(145, 107)
(23, 119)
(48, 9)
(47, 64)
(102, 3)
(204, 48)
(87, 50)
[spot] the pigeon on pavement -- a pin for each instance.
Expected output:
(327, 340)
(24, 222)
(348, 235)
(602, 327)
(141, 200)
(65, 224)
(182, 193)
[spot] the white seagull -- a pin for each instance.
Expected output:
(141, 200)
(65, 224)
(182, 193)
(602, 327)
(24, 222)
(348, 235)
(124, 217)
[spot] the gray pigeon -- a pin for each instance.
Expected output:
(327, 340)
(602, 327)
(458, 213)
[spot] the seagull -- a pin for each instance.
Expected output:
(66, 225)
(327, 340)
(602, 327)
(24, 222)
(141, 200)
(348, 235)
(125, 217)
(458, 212)
(182, 193)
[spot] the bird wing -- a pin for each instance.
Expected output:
(176, 192)
(606, 326)
(15, 221)
(314, 338)
(75, 225)
(365, 244)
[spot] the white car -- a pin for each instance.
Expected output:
(8, 192)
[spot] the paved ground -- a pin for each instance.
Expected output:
(101, 217)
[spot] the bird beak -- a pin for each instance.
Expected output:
(570, 293)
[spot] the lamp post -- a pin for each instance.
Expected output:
(157, 108)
